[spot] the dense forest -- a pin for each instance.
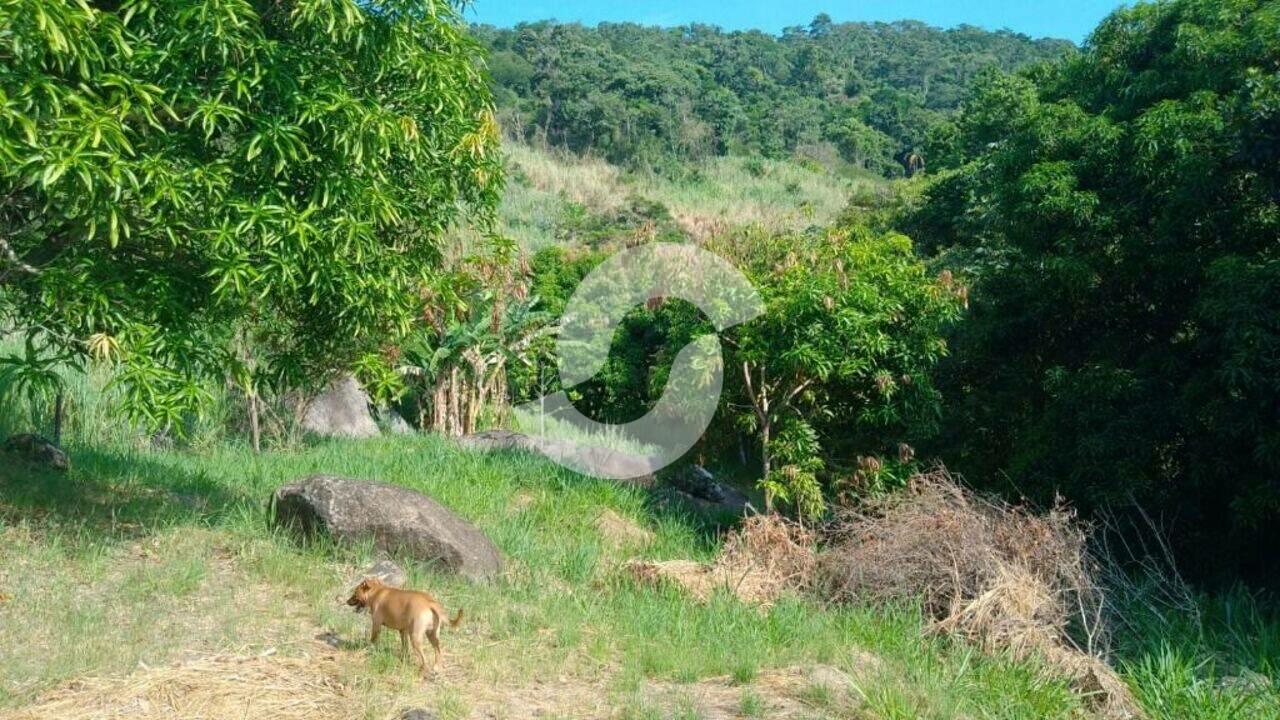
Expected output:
(867, 93)
(1116, 215)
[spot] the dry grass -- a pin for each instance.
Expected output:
(764, 559)
(621, 532)
(716, 197)
(1000, 576)
(581, 179)
(317, 688)
(281, 688)
(732, 192)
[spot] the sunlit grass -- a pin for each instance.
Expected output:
(716, 196)
(154, 577)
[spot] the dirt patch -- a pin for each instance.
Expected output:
(312, 687)
(621, 532)
(280, 688)
(784, 693)
(761, 561)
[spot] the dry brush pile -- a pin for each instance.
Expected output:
(998, 575)
(760, 561)
(1001, 576)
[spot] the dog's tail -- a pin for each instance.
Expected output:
(438, 611)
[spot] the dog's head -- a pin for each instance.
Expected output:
(360, 596)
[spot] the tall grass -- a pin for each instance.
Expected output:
(718, 195)
(733, 191)
(1221, 661)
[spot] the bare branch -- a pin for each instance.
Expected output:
(12, 257)
(786, 402)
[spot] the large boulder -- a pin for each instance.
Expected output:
(638, 469)
(342, 410)
(397, 519)
(37, 450)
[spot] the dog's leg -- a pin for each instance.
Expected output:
(415, 637)
(404, 645)
(433, 634)
(373, 634)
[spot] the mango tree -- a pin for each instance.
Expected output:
(841, 362)
(185, 183)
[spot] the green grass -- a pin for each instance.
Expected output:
(163, 554)
(1223, 664)
(546, 188)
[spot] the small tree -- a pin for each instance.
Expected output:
(841, 361)
(178, 174)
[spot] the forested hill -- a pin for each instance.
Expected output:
(864, 93)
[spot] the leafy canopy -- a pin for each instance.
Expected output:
(1119, 214)
(841, 363)
(661, 96)
(178, 173)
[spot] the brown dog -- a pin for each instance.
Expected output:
(411, 612)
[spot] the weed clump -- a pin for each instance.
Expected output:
(761, 561)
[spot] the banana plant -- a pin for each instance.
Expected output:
(458, 367)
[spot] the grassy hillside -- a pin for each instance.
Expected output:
(139, 557)
(549, 194)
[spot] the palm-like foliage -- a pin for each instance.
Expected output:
(457, 365)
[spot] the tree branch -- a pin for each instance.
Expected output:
(796, 391)
(751, 393)
(12, 257)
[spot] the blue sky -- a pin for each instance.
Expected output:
(1071, 19)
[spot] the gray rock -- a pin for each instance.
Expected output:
(392, 422)
(342, 410)
(696, 487)
(1247, 681)
(498, 440)
(397, 519)
(386, 571)
(417, 714)
(38, 450)
(638, 469)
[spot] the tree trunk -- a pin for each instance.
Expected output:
(455, 405)
(765, 462)
(57, 418)
(255, 427)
